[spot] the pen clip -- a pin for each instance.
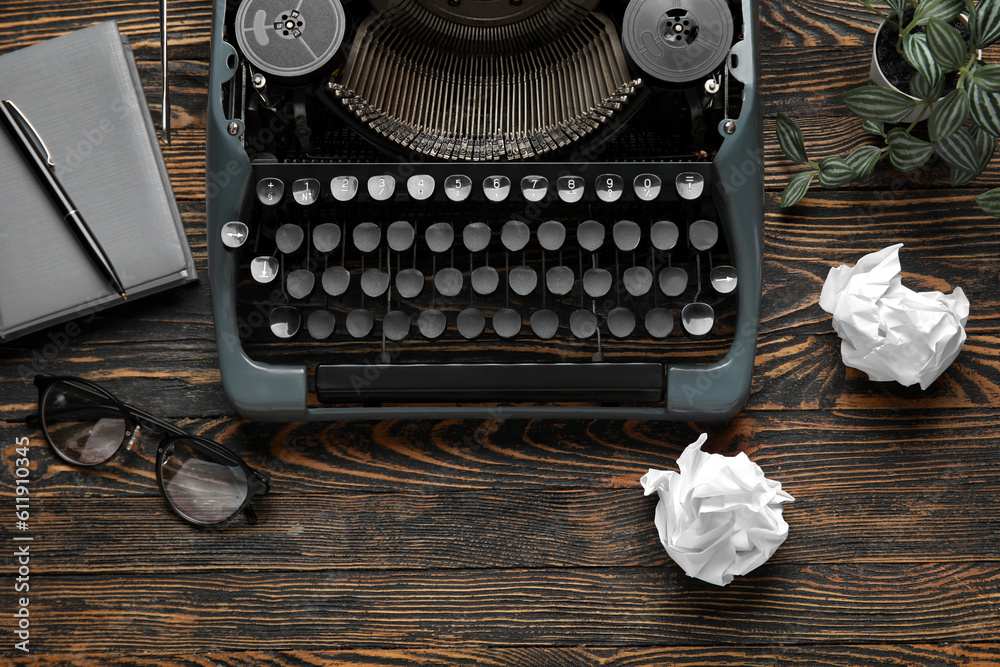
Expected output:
(26, 125)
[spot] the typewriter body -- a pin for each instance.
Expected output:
(485, 208)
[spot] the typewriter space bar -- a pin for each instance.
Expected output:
(611, 382)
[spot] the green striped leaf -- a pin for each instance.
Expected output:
(919, 55)
(948, 115)
(874, 103)
(796, 188)
(834, 172)
(875, 127)
(920, 89)
(984, 107)
(990, 202)
(986, 26)
(790, 139)
(898, 6)
(985, 147)
(906, 152)
(863, 160)
(947, 45)
(942, 10)
(958, 150)
(987, 77)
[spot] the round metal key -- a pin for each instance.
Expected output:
(264, 269)
(703, 234)
(621, 322)
(590, 234)
(321, 324)
(515, 235)
(431, 323)
(544, 323)
(367, 236)
(673, 280)
(400, 235)
(396, 325)
(485, 280)
(523, 280)
(723, 279)
(336, 280)
(596, 282)
(471, 323)
(507, 322)
(234, 234)
(583, 323)
(300, 283)
(374, 282)
(289, 238)
(439, 236)
(551, 234)
(626, 235)
(409, 283)
(664, 234)
(360, 322)
(448, 282)
(697, 319)
(638, 280)
(559, 280)
(476, 236)
(285, 321)
(659, 322)
(326, 237)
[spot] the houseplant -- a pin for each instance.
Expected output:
(960, 96)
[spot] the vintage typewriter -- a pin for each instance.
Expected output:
(485, 208)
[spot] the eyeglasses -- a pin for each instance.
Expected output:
(201, 481)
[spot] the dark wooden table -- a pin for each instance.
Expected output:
(530, 542)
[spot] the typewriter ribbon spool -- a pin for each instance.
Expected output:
(677, 41)
(291, 40)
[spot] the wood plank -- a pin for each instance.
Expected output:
(847, 655)
(170, 613)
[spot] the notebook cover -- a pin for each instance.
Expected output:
(82, 93)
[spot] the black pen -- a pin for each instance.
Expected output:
(18, 127)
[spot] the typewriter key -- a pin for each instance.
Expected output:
(440, 236)
(673, 281)
(583, 323)
(559, 280)
(270, 191)
(471, 323)
(409, 283)
(431, 323)
(507, 323)
(289, 238)
(367, 236)
(343, 188)
(659, 322)
(300, 283)
(234, 234)
(496, 188)
(458, 187)
(360, 322)
(638, 280)
(621, 322)
(285, 321)
(703, 234)
(522, 279)
(697, 319)
(305, 191)
(321, 324)
(723, 279)
(264, 269)
(476, 236)
(400, 235)
(590, 234)
(609, 187)
(515, 235)
(420, 186)
(626, 235)
(396, 325)
(336, 280)
(664, 234)
(374, 282)
(570, 188)
(596, 282)
(326, 237)
(533, 188)
(544, 323)
(485, 280)
(551, 235)
(448, 282)
(689, 185)
(381, 188)
(647, 186)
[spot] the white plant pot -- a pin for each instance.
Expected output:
(876, 75)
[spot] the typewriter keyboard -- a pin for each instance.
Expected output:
(483, 280)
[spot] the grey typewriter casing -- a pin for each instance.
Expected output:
(711, 391)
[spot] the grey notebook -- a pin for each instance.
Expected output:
(82, 93)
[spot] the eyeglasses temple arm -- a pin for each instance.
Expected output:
(144, 417)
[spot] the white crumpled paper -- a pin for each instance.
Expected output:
(719, 516)
(889, 331)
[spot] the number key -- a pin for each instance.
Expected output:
(344, 187)
(381, 188)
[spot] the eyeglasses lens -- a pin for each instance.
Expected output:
(199, 486)
(84, 425)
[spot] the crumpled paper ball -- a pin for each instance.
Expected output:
(719, 516)
(889, 331)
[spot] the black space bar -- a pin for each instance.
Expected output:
(612, 382)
